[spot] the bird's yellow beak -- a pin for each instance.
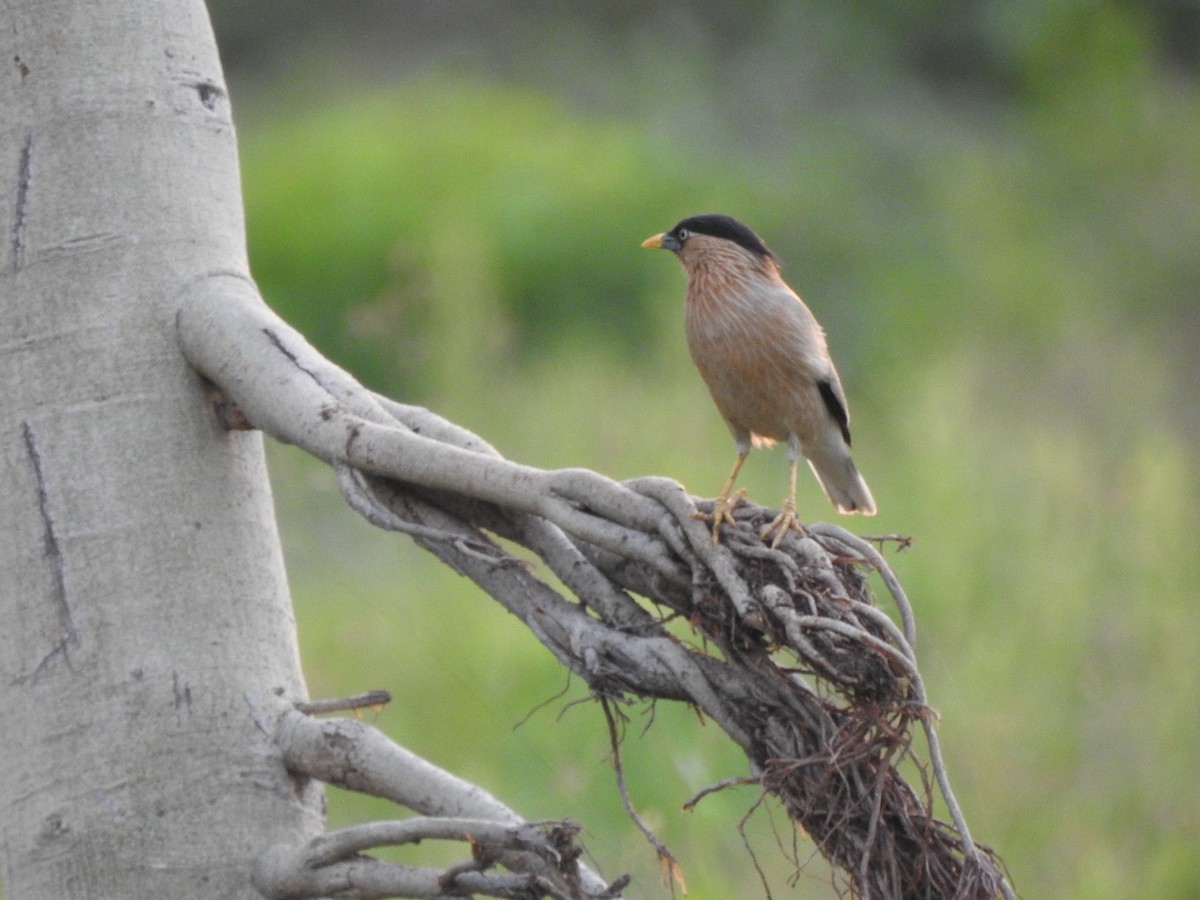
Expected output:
(654, 243)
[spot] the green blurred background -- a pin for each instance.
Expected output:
(993, 207)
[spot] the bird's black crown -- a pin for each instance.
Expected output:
(727, 227)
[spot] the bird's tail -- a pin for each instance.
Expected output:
(840, 480)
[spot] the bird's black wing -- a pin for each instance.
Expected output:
(836, 406)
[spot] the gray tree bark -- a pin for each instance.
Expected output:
(147, 638)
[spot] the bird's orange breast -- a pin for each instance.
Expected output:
(760, 351)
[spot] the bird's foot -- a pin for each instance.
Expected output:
(783, 523)
(722, 512)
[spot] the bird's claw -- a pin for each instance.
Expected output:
(722, 512)
(783, 523)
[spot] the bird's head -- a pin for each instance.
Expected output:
(714, 238)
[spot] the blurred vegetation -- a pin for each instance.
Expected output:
(993, 207)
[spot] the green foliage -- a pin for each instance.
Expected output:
(1002, 301)
(484, 220)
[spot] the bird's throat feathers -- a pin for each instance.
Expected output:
(718, 267)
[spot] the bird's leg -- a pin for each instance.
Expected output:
(723, 506)
(787, 513)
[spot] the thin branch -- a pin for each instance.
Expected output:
(723, 784)
(335, 846)
(666, 859)
(356, 756)
(280, 874)
(891, 582)
(375, 700)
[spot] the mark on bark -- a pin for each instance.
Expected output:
(279, 345)
(24, 179)
(21, 65)
(54, 827)
(255, 717)
(183, 694)
(100, 242)
(209, 94)
(59, 649)
(351, 438)
(229, 414)
(53, 553)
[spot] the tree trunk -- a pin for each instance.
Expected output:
(148, 639)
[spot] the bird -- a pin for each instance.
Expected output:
(765, 361)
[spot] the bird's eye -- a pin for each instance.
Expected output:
(683, 234)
